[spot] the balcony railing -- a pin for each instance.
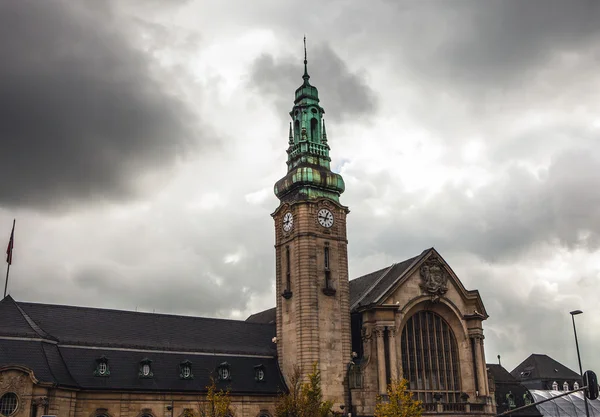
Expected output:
(446, 408)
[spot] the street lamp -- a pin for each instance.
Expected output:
(573, 314)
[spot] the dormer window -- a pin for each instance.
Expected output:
(185, 370)
(146, 368)
(102, 368)
(224, 372)
(555, 386)
(575, 385)
(566, 386)
(259, 373)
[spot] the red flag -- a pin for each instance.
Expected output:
(11, 242)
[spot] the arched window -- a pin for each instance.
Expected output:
(430, 358)
(314, 130)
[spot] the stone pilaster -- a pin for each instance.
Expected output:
(381, 374)
(392, 351)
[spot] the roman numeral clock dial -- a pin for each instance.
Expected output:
(325, 218)
(288, 222)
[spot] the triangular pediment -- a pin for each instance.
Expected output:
(427, 275)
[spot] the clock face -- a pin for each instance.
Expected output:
(288, 222)
(325, 218)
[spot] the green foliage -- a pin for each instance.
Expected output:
(304, 399)
(217, 402)
(400, 402)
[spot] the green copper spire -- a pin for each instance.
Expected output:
(305, 76)
(309, 173)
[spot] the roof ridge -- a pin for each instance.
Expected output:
(25, 303)
(387, 270)
(34, 326)
(415, 260)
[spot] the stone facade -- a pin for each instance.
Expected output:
(313, 316)
(35, 400)
(383, 323)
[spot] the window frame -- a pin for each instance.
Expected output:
(102, 367)
(224, 367)
(430, 357)
(258, 369)
(13, 396)
(143, 364)
(186, 370)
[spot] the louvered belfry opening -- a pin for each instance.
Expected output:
(430, 358)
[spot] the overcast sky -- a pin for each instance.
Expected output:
(140, 142)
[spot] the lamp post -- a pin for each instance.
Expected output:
(573, 314)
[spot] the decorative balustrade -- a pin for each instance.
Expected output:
(447, 408)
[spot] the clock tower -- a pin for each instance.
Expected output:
(313, 312)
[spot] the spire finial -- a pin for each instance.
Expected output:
(305, 76)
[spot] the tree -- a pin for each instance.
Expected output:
(400, 402)
(304, 399)
(217, 402)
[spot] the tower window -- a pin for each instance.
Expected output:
(314, 130)
(430, 358)
(102, 368)
(287, 292)
(328, 289)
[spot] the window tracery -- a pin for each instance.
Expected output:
(430, 358)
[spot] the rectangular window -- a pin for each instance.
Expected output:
(326, 258)
(288, 278)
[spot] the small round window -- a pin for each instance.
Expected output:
(146, 369)
(8, 404)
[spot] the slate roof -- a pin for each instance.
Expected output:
(505, 383)
(367, 289)
(543, 367)
(267, 316)
(61, 344)
(129, 329)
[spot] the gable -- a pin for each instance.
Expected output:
(427, 275)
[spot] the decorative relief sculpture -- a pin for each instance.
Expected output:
(434, 278)
(14, 383)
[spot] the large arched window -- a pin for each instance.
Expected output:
(430, 358)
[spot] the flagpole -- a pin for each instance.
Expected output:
(9, 256)
(6, 281)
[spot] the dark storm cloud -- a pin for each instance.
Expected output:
(81, 115)
(345, 94)
(499, 222)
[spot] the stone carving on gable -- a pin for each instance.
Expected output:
(434, 278)
(15, 383)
